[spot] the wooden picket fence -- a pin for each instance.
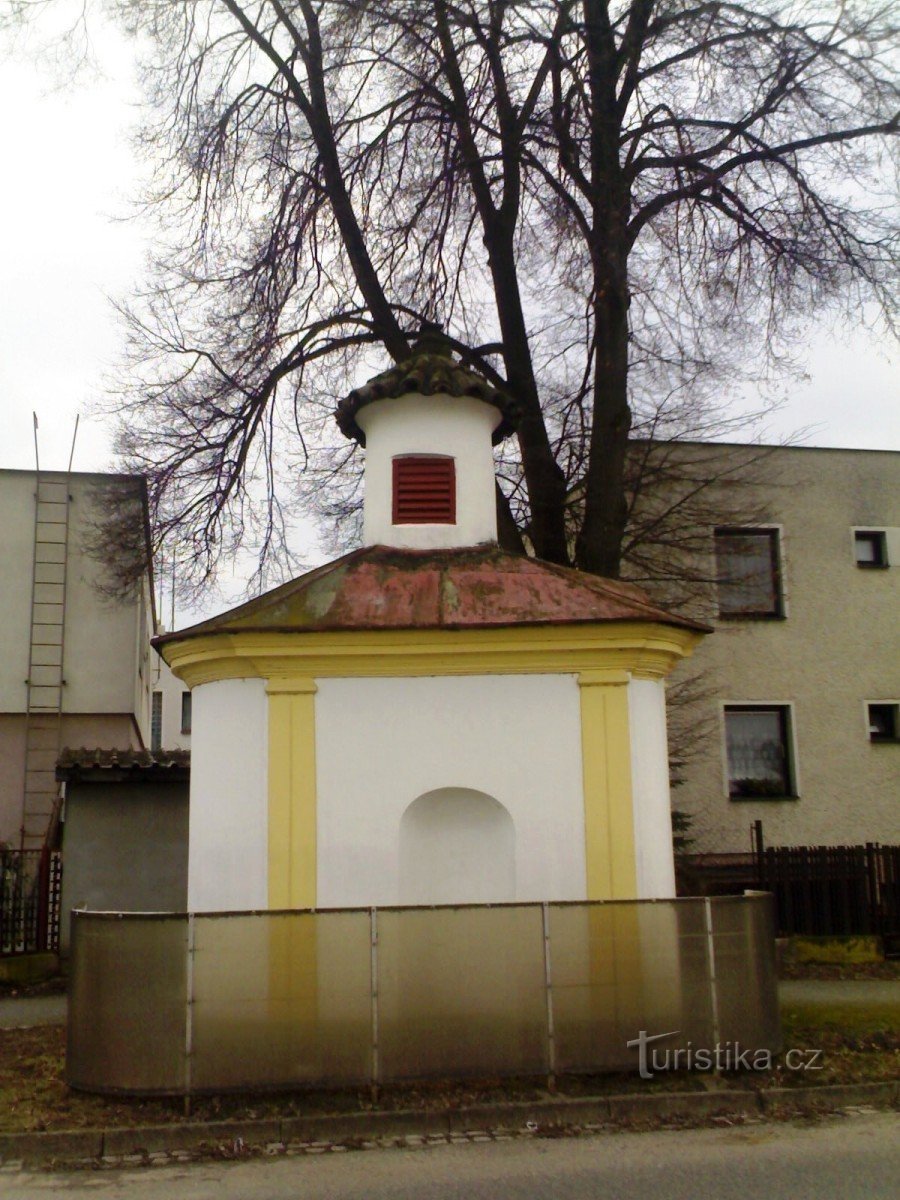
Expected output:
(833, 890)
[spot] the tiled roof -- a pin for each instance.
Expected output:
(98, 762)
(428, 374)
(483, 587)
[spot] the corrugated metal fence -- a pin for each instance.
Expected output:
(209, 1002)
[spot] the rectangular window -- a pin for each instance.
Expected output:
(870, 548)
(424, 490)
(747, 573)
(884, 722)
(757, 739)
(156, 721)
(185, 712)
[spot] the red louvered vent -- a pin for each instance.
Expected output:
(424, 491)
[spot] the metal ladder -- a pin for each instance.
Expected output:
(43, 719)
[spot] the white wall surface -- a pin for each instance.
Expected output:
(457, 846)
(106, 640)
(229, 854)
(457, 426)
(650, 789)
(382, 743)
(17, 490)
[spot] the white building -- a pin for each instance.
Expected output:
(75, 661)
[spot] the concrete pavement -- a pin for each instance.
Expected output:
(859, 993)
(853, 1156)
(24, 1012)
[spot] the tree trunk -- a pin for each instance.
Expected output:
(599, 543)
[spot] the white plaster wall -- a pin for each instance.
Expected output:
(381, 743)
(650, 789)
(457, 426)
(229, 855)
(106, 640)
(17, 490)
(457, 847)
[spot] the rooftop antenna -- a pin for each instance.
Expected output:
(74, 436)
(162, 584)
(37, 457)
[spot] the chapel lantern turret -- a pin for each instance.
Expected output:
(428, 426)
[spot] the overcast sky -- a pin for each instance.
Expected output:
(64, 249)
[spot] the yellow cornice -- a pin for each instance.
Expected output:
(611, 677)
(639, 648)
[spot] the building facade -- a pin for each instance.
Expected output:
(798, 689)
(75, 657)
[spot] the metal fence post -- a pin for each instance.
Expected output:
(875, 922)
(548, 989)
(373, 968)
(43, 899)
(713, 982)
(189, 1014)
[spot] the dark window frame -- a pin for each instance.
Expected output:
(187, 707)
(889, 709)
(773, 611)
(423, 489)
(877, 539)
(746, 788)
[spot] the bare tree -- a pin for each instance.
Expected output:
(604, 202)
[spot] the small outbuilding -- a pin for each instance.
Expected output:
(125, 834)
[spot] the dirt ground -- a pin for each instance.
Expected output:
(857, 1046)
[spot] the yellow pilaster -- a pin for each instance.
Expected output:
(606, 758)
(292, 793)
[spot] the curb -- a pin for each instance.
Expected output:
(519, 1117)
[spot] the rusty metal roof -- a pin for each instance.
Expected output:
(428, 374)
(475, 588)
(100, 763)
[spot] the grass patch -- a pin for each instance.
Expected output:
(858, 1044)
(850, 1022)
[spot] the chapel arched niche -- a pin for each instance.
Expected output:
(457, 845)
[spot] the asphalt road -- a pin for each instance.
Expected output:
(847, 1157)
